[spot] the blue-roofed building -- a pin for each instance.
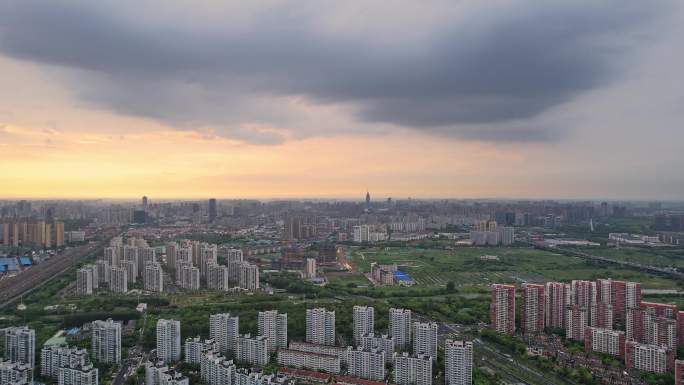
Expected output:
(402, 278)
(9, 264)
(3, 268)
(25, 261)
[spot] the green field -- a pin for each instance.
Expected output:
(463, 266)
(654, 256)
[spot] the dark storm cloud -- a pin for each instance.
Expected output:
(496, 62)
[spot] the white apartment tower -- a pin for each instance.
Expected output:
(20, 345)
(106, 341)
(425, 339)
(412, 370)
(274, 326)
(154, 277)
(400, 327)
(364, 321)
(223, 328)
(366, 363)
(248, 276)
(458, 357)
(169, 340)
(320, 326)
(252, 350)
(118, 280)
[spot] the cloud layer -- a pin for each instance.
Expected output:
(259, 73)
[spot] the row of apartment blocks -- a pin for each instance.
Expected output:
(366, 360)
(594, 312)
(32, 233)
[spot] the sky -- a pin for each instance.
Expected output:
(292, 99)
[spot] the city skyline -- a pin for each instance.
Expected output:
(300, 100)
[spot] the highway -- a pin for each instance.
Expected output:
(12, 288)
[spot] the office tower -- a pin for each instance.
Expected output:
(208, 255)
(532, 311)
(84, 281)
(169, 340)
(252, 350)
(144, 203)
(196, 347)
(78, 375)
(556, 298)
(366, 363)
(364, 321)
(212, 210)
(216, 369)
(248, 276)
(310, 268)
(400, 327)
(217, 277)
(106, 341)
(576, 321)
(20, 345)
(274, 326)
(458, 358)
(118, 280)
(649, 358)
(383, 343)
(425, 339)
(604, 341)
(502, 308)
(320, 326)
(54, 357)
(12, 373)
(154, 277)
(223, 328)
(412, 370)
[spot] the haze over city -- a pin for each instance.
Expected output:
(280, 99)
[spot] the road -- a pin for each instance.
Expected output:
(23, 283)
(134, 359)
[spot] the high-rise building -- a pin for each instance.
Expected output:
(217, 277)
(458, 358)
(216, 369)
(189, 276)
(320, 326)
(425, 339)
(195, 347)
(364, 321)
(584, 293)
(252, 350)
(118, 280)
(54, 357)
(679, 372)
(78, 375)
(106, 341)
(310, 268)
(131, 268)
(248, 276)
(366, 363)
(103, 273)
(169, 340)
(59, 234)
(605, 341)
(383, 342)
(649, 358)
(532, 311)
(84, 280)
(14, 373)
(274, 326)
(212, 210)
(502, 308)
(20, 345)
(576, 321)
(412, 370)
(601, 315)
(400, 326)
(208, 255)
(652, 324)
(312, 361)
(223, 328)
(154, 277)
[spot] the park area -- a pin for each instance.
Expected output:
(486, 265)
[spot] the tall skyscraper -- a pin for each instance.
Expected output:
(169, 340)
(106, 341)
(224, 329)
(502, 308)
(320, 326)
(458, 358)
(212, 210)
(532, 311)
(20, 345)
(364, 321)
(400, 326)
(274, 326)
(425, 339)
